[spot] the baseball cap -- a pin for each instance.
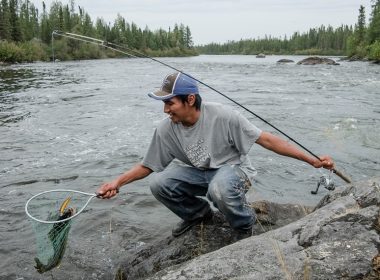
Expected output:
(175, 84)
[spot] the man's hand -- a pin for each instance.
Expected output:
(108, 190)
(325, 162)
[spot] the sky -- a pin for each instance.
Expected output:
(220, 21)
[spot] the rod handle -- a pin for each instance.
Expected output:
(341, 175)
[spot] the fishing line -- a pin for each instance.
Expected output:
(138, 54)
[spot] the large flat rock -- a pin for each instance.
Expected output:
(338, 240)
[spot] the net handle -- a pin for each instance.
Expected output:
(91, 196)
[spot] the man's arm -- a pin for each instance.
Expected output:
(110, 189)
(282, 147)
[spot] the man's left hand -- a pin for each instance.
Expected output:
(325, 162)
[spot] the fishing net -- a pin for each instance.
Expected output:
(52, 214)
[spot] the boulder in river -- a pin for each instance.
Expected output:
(317, 60)
(339, 239)
(284, 60)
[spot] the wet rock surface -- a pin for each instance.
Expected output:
(204, 238)
(284, 60)
(339, 239)
(314, 60)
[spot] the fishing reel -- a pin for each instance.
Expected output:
(325, 181)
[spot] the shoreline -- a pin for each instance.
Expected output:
(341, 58)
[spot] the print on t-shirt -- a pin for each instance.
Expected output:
(198, 153)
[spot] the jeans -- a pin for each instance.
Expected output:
(179, 188)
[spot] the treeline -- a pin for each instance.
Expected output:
(361, 41)
(322, 40)
(26, 34)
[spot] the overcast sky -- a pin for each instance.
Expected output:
(224, 20)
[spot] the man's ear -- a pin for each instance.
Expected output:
(191, 99)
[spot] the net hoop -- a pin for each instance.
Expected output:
(91, 196)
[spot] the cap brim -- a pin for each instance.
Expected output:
(160, 95)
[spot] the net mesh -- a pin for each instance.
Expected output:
(50, 215)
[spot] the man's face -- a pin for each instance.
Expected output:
(176, 109)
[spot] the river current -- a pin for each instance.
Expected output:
(76, 125)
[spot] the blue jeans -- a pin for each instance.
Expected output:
(179, 188)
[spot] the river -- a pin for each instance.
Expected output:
(75, 125)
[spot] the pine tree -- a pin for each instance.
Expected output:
(34, 21)
(181, 36)
(360, 27)
(5, 25)
(16, 33)
(45, 33)
(188, 38)
(101, 29)
(27, 27)
(66, 19)
(87, 25)
(374, 25)
(60, 18)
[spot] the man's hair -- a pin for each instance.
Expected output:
(197, 103)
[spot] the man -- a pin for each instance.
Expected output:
(201, 150)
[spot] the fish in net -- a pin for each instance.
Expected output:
(52, 214)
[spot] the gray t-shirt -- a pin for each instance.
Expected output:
(220, 136)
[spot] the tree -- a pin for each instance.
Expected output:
(5, 24)
(16, 33)
(45, 33)
(66, 19)
(188, 38)
(88, 29)
(28, 20)
(360, 27)
(119, 30)
(374, 25)
(102, 29)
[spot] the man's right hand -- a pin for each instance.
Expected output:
(108, 190)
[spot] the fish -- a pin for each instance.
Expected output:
(58, 236)
(64, 205)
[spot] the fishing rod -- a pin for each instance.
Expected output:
(136, 54)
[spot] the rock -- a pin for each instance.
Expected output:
(317, 60)
(338, 240)
(260, 55)
(357, 58)
(284, 60)
(203, 239)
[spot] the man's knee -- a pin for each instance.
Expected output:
(221, 186)
(222, 195)
(157, 184)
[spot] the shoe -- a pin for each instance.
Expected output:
(184, 226)
(239, 234)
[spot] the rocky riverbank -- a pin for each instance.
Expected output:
(339, 239)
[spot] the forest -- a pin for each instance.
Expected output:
(26, 36)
